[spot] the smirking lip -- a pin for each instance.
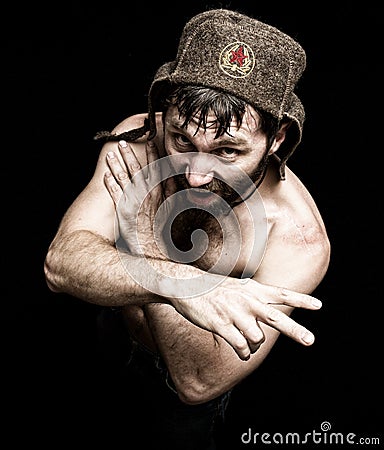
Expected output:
(200, 197)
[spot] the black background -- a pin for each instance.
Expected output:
(72, 70)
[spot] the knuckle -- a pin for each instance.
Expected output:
(256, 341)
(134, 167)
(293, 329)
(274, 315)
(240, 345)
(282, 292)
(254, 335)
(122, 175)
(260, 338)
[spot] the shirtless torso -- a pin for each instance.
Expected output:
(295, 233)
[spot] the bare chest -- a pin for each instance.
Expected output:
(227, 245)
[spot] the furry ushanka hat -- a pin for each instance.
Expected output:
(229, 51)
(232, 52)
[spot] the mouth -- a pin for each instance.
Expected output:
(200, 197)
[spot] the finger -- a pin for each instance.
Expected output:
(152, 152)
(238, 341)
(118, 172)
(113, 188)
(133, 167)
(285, 324)
(282, 296)
(154, 169)
(253, 334)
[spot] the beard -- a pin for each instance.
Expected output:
(213, 217)
(232, 193)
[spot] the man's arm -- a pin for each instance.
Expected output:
(203, 365)
(88, 266)
(83, 261)
(297, 257)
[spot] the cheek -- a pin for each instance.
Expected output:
(253, 164)
(254, 157)
(250, 162)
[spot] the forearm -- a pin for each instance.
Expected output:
(89, 267)
(202, 364)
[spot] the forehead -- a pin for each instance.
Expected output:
(249, 125)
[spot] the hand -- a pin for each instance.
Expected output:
(234, 308)
(137, 194)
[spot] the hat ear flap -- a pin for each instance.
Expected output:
(157, 94)
(292, 140)
(294, 133)
(151, 117)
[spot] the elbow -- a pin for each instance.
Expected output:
(193, 395)
(52, 271)
(324, 255)
(192, 391)
(319, 252)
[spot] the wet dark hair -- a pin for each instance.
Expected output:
(199, 101)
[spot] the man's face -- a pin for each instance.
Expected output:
(207, 158)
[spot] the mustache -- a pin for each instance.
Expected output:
(229, 192)
(215, 186)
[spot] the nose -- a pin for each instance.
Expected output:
(199, 169)
(197, 179)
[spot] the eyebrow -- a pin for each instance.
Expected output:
(221, 140)
(230, 141)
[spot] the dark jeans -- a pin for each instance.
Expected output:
(155, 417)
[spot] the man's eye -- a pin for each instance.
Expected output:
(181, 139)
(229, 152)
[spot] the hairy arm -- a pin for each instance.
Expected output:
(83, 261)
(202, 365)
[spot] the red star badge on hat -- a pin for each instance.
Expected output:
(238, 56)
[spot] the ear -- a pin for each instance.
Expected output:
(279, 138)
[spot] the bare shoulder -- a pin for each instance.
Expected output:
(137, 121)
(138, 146)
(297, 236)
(130, 123)
(290, 205)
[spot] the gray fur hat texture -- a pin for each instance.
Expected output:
(229, 51)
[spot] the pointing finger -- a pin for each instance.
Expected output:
(282, 296)
(286, 325)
